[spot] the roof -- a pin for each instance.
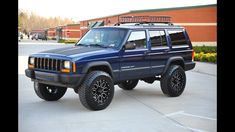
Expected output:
(158, 10)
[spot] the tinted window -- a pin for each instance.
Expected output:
(158, 38)
(139, 38)
(163, 36)
(177, 37)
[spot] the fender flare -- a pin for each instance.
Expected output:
(97, 63)
(172, 59)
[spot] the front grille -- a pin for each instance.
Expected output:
(48, 64)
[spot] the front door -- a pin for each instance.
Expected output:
(134, 63)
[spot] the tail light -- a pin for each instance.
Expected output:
(192, 55)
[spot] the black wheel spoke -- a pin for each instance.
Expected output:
(177, 81)
(100, 91)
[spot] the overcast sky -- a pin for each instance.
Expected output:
(87, 9)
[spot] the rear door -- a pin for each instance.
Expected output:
(135, 63)
(159, 50)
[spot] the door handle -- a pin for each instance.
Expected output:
(166, 51)
(146, 52)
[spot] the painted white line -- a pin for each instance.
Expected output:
(187, 114)
(174, 113)
(193, 129)
(22, 64)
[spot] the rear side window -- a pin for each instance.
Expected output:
(177, 37)
(139, 38)
(158, 38)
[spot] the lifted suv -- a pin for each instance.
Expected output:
(123, 54)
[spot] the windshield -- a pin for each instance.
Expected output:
(103, 38)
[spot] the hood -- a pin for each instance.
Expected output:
(77, 52)
(67, 51)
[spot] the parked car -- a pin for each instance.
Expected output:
(38, 36)
(119, 55)
(34, 37)
(42, 36)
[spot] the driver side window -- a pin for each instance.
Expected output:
(139, 38)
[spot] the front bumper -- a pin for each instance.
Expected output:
(57, 79)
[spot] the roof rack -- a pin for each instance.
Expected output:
(144, 20)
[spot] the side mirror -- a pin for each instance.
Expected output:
(130, 46)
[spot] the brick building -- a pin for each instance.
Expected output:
(51, 33)
(71, 32)
(199, 21)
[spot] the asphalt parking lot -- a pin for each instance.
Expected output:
(143, 109)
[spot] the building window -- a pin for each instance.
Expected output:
(177, 37)
(139, 38)
(157, 38)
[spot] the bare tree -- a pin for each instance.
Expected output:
(29, 21)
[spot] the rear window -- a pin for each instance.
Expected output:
(158, 38)
(177, 37)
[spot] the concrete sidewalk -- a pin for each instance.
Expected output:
(144, 108)
(205, 68)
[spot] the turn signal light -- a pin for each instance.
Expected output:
(192, 55)
(31, 66)
(74, 67)
(65, 70)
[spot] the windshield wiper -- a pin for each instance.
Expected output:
(100, 45)
(80, 44)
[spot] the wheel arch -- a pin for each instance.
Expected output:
(99, 65)
(177, 60)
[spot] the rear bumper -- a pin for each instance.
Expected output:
(189, 66)
(57, 79)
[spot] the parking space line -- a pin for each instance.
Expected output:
(187, 114)
(174, 113)
(193, 129)
(152, 108)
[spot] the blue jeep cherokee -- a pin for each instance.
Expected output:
(116, 55)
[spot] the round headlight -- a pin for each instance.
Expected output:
(67, 64)
(31, 61)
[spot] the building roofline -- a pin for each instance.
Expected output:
(174, 8)
(155, 10)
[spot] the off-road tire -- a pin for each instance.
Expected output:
(128, 84)
(173, 81)
(96, 91)
(49, 92)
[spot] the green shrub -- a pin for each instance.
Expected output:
(205, 57)
(61, 41)
(205, 49)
